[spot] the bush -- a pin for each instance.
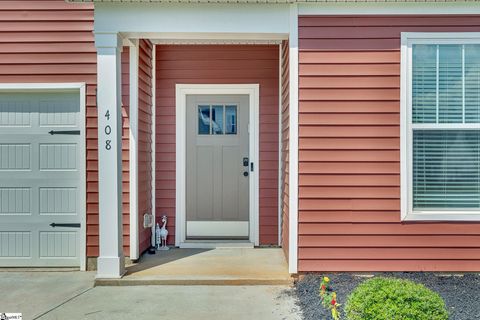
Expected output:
(394, 299)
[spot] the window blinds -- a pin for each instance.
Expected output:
(446, 156)
(446, 169)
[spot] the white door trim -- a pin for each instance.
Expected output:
(181, 92)
(81, 89)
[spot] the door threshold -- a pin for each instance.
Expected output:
(214, 244)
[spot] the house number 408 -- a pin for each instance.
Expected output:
(108, 131)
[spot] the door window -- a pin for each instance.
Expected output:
(217, 119)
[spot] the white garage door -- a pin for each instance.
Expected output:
(41, 175)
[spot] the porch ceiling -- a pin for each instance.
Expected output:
(267, 1)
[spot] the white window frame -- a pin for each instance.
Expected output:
(406, 136)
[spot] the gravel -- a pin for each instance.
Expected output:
(461, 293)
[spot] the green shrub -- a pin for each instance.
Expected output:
(394, 299)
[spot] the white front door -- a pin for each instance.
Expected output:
(218, 167)
(41, 156)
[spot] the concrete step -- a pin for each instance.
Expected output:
(192, 282)
(219, 266)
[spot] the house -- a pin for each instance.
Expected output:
(348, 133)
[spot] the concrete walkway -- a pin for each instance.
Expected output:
(34, 293)
(72, 295)
(181, 303)
(221, 266)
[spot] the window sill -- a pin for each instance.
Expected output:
(442, 216)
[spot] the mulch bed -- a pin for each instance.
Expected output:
(460, 293)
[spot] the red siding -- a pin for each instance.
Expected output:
(126, 149)
(285, 145)
(52, 41)
(218, 64)
(349, 157)
(144, 140)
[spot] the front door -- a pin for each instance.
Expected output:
(218, 167)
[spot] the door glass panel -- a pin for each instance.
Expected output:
(217, 119)
(203, 119)
(231, 119)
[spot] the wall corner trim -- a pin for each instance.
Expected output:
(293, 142)
(133, 150)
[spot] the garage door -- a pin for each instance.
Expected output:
(41, 174)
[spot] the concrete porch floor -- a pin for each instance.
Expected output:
(221, 266)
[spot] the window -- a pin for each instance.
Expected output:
(217, 119)
(440, 126)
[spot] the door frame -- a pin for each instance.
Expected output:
(80, 88)
(181, 92)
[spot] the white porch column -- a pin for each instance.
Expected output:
(111, 262)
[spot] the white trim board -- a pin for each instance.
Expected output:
(406, 127)
(79, 87)
(214, 42)
(154, 139)
(133, 150)
(182, 90)
(279, 185)
(255, 21)
(293, 143)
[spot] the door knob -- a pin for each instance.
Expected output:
(245, 173)
(245, 162)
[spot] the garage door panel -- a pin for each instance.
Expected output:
(15, 156)
(15, 244)
(58, 201)
(40, 179)
(15, 111)
(58, 244)
(30, 243)
(58, 156)
(58, 113)
(15, 201)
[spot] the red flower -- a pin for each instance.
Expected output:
(333, 302)
(323, 287)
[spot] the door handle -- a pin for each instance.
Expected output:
(65, 225)
(69, 132)
(245, 162)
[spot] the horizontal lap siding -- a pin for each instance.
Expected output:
(217, 64)
(144, 140)
(126, 149)
(51, 42)
(349, 151)
(285, 125)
